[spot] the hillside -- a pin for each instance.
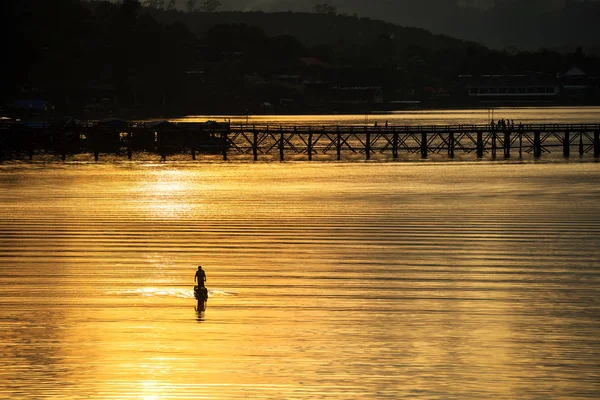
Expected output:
(526, 25)
(314, 29)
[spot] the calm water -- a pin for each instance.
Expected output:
(327, 280)
(525, 115)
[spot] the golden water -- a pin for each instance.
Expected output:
(525, 115)
(327, 280)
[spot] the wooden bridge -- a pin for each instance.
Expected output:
(423, 141)
(304, 142)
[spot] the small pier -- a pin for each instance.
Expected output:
(282, 143)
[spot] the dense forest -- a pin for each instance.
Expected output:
(102, 58)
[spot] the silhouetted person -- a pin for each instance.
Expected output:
(200, 276)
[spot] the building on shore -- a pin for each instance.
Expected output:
(534, 89)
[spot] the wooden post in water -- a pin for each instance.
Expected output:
(520, 144)
(129, 134)
(596, 144)
(30, 145)
(567, 144)
(580, 144)
(424, 149)
(507, 144)
(310, 143)
(395, 144)
(281, 143)
(225, 144)
(537, 144)
(494, 147)
(451, 144)
(479, 144)
(367, 143)
(254, 144)
(63, 145)
(338, 145)
(161, 145)
(92, 139)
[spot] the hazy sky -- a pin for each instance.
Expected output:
(370, 6)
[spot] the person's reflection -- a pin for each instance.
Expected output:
(200, 313)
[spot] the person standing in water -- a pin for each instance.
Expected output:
(200, 276)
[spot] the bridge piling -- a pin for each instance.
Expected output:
(507, 144)
(254, 144)
(596, 144)
(309, 148)
(451, 144)
(281, 143)
(129, 134)
(479, 144)
(537, 144)
(367, 144)
(395, 144)
(338, 144)
(224, 144)
(424, 149)
(520, 144)
(567, 144)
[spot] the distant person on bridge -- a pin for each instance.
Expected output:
(200, 276)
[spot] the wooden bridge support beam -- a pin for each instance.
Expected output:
(596, 144)
(225, 144)
(537, 144)
(395, 145)
(494, 145)
(63, 146)
(567, 144)
(581, 149)
(367, 144)
(521, 144)
(192, 144)
(281, 144)
(30, 146)
(506, 144)
(129, 134)
(338, 144)
(479, 144)
(424, 149)
(451, 145)
(254, 144)
(310, 145)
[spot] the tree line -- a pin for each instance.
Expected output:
(152, 59)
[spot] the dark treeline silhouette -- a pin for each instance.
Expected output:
(528, 24)
(97, 59)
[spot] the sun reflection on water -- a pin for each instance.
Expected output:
(165, 194)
